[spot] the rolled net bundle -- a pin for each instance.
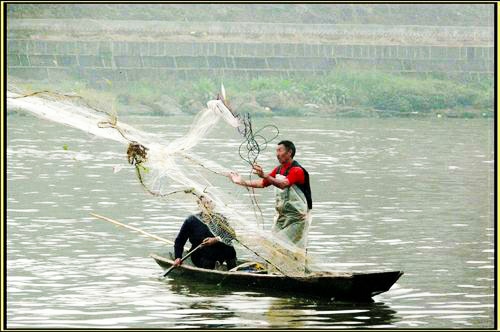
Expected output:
(171, 170)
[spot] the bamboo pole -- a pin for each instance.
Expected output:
(132, 228)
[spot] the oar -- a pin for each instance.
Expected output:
(182, 259)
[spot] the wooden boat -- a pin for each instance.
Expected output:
(332, 285)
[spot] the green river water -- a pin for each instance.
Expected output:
(389, 194)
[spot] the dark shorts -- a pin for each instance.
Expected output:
(206, 257)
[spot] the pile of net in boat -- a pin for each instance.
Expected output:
(172, 170)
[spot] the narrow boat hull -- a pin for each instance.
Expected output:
(332, 285)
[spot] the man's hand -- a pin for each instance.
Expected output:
(177, 262)
(209, 241)
(258, 170)
(236, 178)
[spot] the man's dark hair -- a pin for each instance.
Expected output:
(289, 146)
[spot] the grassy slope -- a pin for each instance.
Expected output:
(334, 94)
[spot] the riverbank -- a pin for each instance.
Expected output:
(342, 93)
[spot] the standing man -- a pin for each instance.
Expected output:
(293, 194)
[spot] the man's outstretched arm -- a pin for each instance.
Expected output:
(236, 178)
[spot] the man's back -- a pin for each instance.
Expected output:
(194, 230)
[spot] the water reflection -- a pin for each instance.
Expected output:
(276, 309)
(302, 313)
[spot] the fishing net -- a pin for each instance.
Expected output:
(173, 170)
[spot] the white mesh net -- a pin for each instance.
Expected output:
(172, 170)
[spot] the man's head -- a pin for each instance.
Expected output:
(285, 151)
(205, 204)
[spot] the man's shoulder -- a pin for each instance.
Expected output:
(296, 165)
(296, 174)
(296, 168)
(192, 219)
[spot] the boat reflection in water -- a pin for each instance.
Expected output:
(213, 306)
(209, 304)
